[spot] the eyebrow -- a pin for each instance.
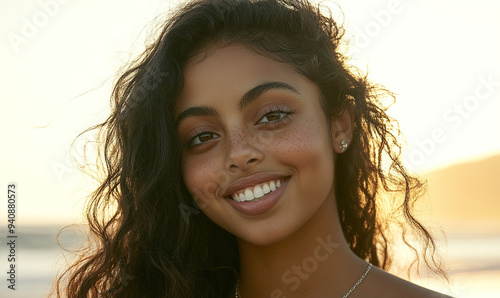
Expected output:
(257, 91)
(195, 111)
(245, 100)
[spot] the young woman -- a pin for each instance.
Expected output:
(244, 158)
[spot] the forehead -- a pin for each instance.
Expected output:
(229, 72)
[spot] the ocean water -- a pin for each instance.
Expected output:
(35, 270)
(37, 258)
(473, 263)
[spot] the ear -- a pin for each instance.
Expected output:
(342, 130)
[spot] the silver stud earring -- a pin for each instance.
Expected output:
(343, 145)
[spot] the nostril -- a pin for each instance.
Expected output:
(251, 160)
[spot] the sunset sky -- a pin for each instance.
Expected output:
(59, 59)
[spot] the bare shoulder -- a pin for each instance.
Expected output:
(380, 283)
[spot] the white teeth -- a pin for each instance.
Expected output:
(266, 189)
(249, 195)
(258, 192)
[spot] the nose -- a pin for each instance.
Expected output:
(243, 150)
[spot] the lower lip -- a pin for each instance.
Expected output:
(261, 206)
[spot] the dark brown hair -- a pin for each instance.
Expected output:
(150, 240)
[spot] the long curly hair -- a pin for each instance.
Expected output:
(149, 238)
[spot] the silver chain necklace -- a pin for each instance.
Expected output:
(237, 289)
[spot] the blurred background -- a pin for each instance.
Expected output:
(60, 58)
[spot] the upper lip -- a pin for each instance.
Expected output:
(251, 181)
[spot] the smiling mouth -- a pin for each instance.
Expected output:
(257, 192)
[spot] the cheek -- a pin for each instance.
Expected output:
(202, 179)
(193, 173)
(307, 146)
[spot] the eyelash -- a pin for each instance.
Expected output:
(281, 110)
(274, 110)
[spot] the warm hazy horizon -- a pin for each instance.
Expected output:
(466, 190)
(458, 195)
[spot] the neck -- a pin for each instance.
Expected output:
(315, 261)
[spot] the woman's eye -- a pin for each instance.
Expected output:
(202, 138)
(273, 116)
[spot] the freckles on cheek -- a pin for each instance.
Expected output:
(304, 144)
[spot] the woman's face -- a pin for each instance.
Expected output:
(258, 153)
